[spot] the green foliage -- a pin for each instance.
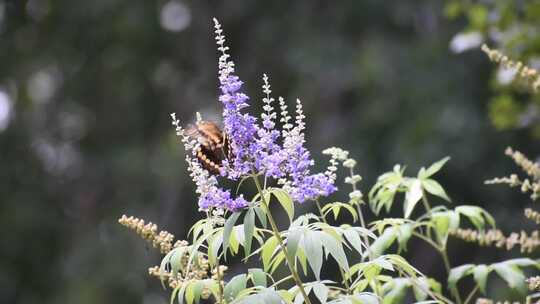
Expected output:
(415, 189)
(369, 256)
(510, 271)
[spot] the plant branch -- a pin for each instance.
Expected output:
(277, 234)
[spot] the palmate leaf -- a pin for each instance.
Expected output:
(510, 271)
(336, 207)
(478, 216)
(383, 192)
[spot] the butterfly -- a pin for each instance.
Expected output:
(214, 145)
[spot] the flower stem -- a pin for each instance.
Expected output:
(361, 217)
(444, 256)
(428, 210)
(277, 234)
(471, 295)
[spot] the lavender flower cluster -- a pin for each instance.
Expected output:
(257, 149)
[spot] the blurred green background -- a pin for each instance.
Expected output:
(86, 88)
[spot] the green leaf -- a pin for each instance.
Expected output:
(227, 230)
(512, 275)
(265, 296)
(420, 293)
(332, 245)
(249, 227)
(480, 276)
(321, 292)
(398, 290)
(268, 250)
(404, 233)
(293, 239)
(435, 188)
(303, 260)
(279, 258)
(441, 223)
(261, 215)
(434, 168)
(285, 200)
(523, 262)
(354, 239)
(457, 273)
(181, 294)
(383, 242)
(258, 277)
(193, 292)
(234, 286)
(214, 244)
(412, 197)
(314, 252)
(476, 215)
(401, 263)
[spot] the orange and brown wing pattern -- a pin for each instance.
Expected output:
(214, 145)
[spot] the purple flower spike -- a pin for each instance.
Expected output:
(261, 149)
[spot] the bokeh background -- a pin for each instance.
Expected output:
(86, 88)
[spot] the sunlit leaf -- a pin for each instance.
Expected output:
(412, 197)
(435, 188)
(434, 168)
(314, 252)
